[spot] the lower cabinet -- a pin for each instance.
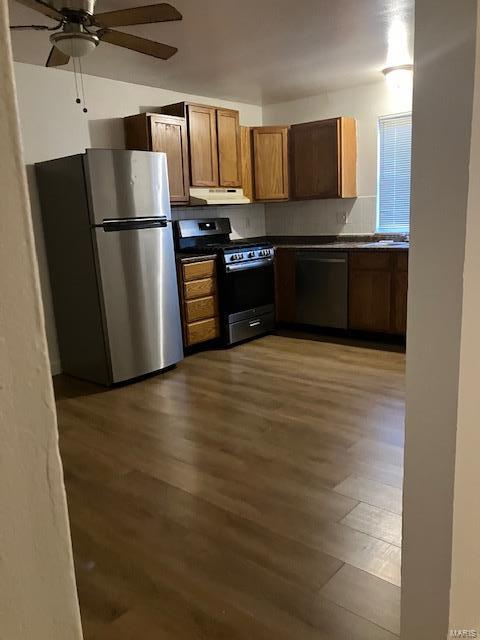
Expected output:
(198, 296)
(201, 331)
(378, 291)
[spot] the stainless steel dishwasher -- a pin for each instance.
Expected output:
(321, 283)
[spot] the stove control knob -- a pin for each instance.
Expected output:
(251, 254)
(232, 258)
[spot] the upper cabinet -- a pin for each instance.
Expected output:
(202, 134)
(270, 163)
(157, 132)
(207, 147)
(229, 148)
(246, 153)
(214, 144)
(323, 159)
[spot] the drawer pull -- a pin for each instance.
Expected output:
(254, 323)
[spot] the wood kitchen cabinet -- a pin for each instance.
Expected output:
(229, 148)
(378, 291)
(400, 293)
(198, 296)
(214, 144)
(270, 163)
(158, 132)
(247, 161)
(323, 159)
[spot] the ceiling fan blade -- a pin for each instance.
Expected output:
(137, 15)
(42, 7)
(142, 45)
(57, 58)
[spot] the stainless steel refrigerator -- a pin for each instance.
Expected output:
(108, 232)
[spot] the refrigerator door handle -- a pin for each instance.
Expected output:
(134, 223)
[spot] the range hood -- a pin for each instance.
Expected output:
(217, 196)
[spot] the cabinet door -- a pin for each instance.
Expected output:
(229, 154)
(202, 131)
(270, 152)
(400, 293)
(323, 159)
(314, 152)
(169, 134)
(370, 293)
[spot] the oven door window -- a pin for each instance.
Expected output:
(249, 289)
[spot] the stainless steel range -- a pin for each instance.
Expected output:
(245, 276)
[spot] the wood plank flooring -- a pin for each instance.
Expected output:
(249, 494)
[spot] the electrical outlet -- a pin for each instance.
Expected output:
(342, 217)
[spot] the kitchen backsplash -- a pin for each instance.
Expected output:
(307, 218)
(321, 217)
(248, 221)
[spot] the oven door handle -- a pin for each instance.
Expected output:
(253, 264)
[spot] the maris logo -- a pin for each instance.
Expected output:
(464, 633)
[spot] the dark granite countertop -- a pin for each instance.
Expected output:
(366, 245)
(324, 243)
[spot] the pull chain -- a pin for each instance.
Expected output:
(77, 70)
(85, 110)
(77, 100)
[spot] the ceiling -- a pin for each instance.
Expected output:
(255, 51)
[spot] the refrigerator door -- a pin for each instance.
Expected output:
(126, 184)
(138, 284)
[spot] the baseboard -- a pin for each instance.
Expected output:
(55, 367)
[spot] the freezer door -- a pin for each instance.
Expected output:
(126, 184)
(138, 284)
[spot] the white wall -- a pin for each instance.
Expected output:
(365, 103)
(37, 584)
(465, 580)
(438, 415)
(53, 125)
(248, 221)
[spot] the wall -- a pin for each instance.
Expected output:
(53, 125)
(465, 581)
(435, 418)
(365, 103)
(37, 584)
(248, 221)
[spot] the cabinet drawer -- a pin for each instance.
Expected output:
(199, 288)
(198, 270)
(202, 331)
(200, 309)
(370, 260)
(401, 261)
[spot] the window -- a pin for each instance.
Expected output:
(394, 163)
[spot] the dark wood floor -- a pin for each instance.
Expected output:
(249, 494)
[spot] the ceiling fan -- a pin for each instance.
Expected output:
(80, 29)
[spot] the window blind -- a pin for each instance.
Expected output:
(394, 170)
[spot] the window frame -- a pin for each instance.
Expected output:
(378, 229)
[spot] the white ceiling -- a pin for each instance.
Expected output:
(256, 51)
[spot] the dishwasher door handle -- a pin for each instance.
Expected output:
(329, 260)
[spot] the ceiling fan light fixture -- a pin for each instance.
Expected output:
(75, 45)
(399, 76)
